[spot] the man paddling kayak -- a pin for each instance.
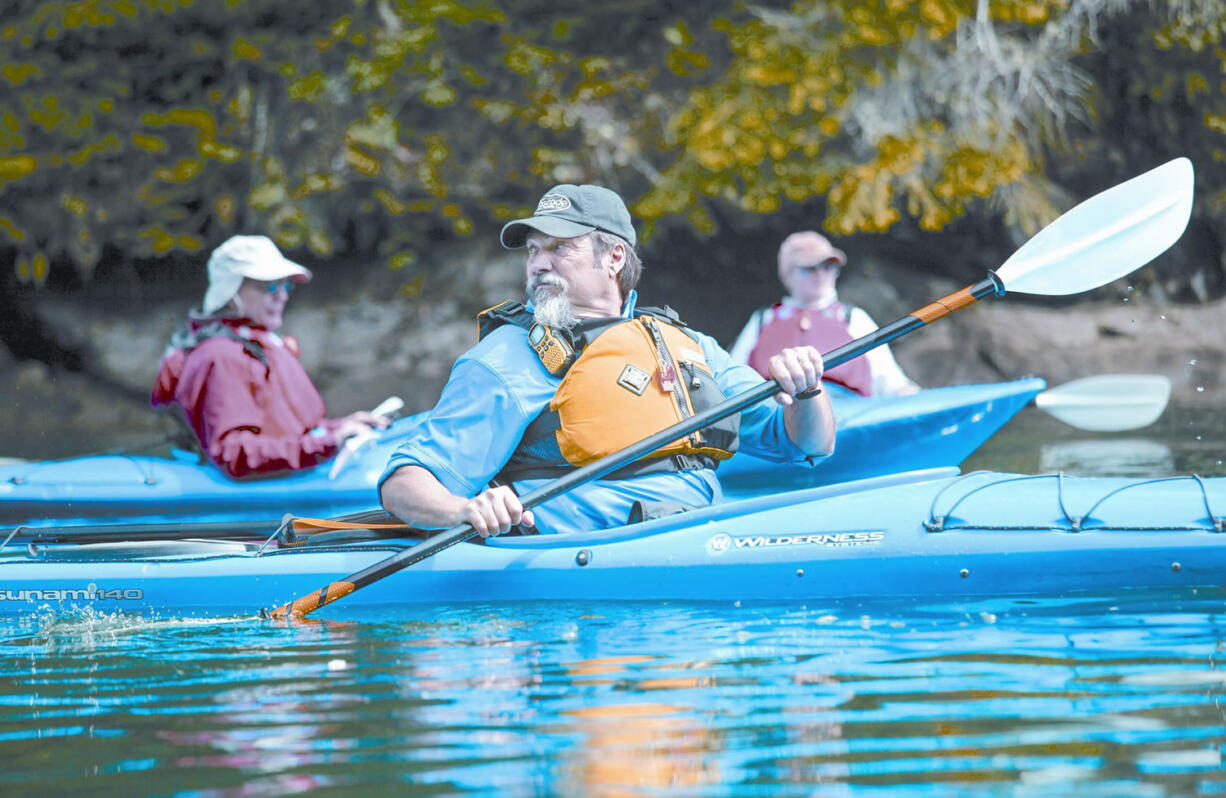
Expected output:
(240, 386)
(583, 371)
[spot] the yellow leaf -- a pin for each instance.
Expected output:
(191, 117)
(149, 143)
(15, 167)
(223, 206)
(267, 195)
(317, 184)
(246, 50)
(306, 88)
(319, 242)
(361, 162)
(74, 205)
(393, 206)
(1196, 84)
(413, 288)
(222, 152)
(162, 241)
(19, 73)
(185, 170)
(10, 227)
(438, 94)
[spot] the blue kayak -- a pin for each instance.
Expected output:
(881, 435)
(926, 534)
(936, 427)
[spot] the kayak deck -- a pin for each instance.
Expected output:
(922, 534)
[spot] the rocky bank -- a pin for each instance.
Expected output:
(366, 334)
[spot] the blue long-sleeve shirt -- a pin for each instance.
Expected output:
(497, 388)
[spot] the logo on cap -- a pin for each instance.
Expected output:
(552, 203)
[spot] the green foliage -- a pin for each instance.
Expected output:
(1183, 83)
(884, 109)
(161, 126)
(158, 127)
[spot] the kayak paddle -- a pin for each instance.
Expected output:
(1108, 402)
(390, 405)
(1102, 239)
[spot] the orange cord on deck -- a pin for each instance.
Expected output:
(321, 524)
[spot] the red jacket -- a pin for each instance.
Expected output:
(251, 416)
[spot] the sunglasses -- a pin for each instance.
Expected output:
(274, 287)
(814, 268)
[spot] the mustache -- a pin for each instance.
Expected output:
(539, 281)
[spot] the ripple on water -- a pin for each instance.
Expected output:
(1073, 695)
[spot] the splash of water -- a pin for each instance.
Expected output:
(87, 628)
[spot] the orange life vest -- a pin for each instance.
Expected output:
(628, 379)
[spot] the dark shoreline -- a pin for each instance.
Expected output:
(368, 338)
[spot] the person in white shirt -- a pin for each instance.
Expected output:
(812, 315)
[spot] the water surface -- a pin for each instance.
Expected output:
(1089, 695)
(1184, 440)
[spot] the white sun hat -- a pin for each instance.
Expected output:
(256, 257)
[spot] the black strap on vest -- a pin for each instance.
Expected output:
(508, 312)
(512, 312)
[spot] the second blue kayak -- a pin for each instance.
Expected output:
(936, 427)
(884, 435)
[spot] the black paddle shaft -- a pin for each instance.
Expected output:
(991, 285)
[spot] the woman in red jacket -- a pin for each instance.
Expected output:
(240, 385)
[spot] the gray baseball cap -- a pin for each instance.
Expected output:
(567, 211)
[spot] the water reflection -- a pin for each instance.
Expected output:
(629, 748)
(1120, 457)
(1033, 442)
(1102, 695)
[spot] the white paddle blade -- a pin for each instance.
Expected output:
(392, 404)
(1106, 237)
(348, 449)
(1109, 402)
(388, 407)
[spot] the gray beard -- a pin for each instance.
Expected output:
(551, 307)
